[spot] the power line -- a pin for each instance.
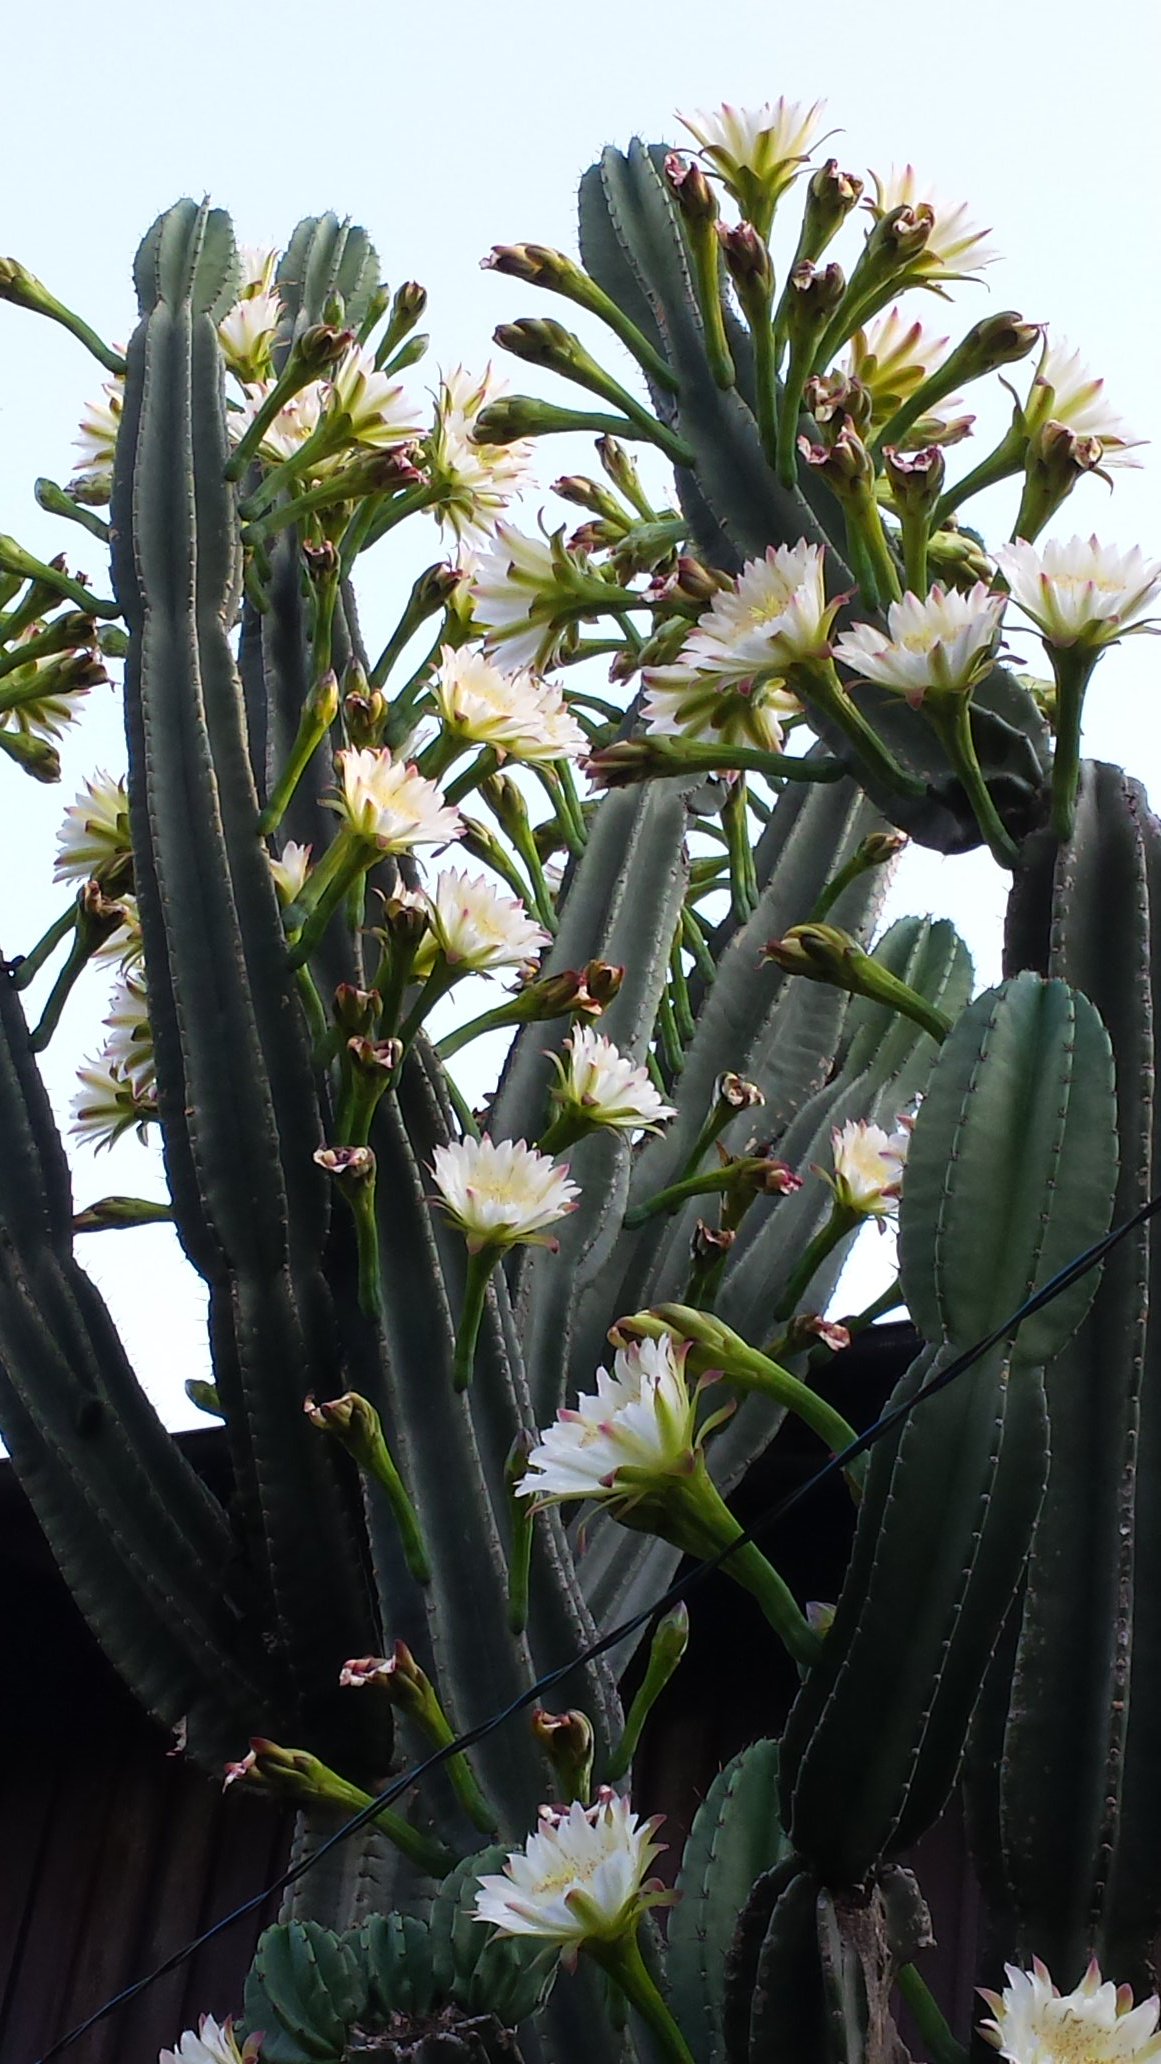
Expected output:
(682, 1585)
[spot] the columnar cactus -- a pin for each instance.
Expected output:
(741, 1078)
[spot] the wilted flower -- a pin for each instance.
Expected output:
(955, 248)
(502, 1193)
(475, 480)
(868, 1167)
(639, 1428)
(946, 641)
(214, 2043)
(758, 151)
(1034, 2023)
(92, 480)
(475, 928)
(93, 841)
(390, 803)
(1082, 592)
(290, 870)
(517, 712)
(1065, 391)
(580, 1877)
(602, 1086)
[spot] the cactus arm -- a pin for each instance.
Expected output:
(1026, 1083)
(735, 1836)
(1068, 1823)
(327, 258)
(235, 1089)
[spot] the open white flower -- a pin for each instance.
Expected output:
(214, 2043)
(946, 640)
(1034, 2023)
(868, 1167)
(1065, 391)
(581, 1876)
(296, 420)
(892, 358)
(638, 1427)
(92, 480)
(247, 330)
(515, 591)
(955, 248)
(375, 408)
(729, 679)
(602, 1086)
(1082, 592)
(93, 840)
(517, 712)
(475, 928)
(476, 481)
(391, 803)
(758, 151)
(118, 1091)
(502, 1193)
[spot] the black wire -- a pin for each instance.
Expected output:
(1063, 1280)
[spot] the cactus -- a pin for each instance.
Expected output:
(715, 916)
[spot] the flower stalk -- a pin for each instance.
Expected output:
(353, 1421)
(669, 1643)
(622, 1961)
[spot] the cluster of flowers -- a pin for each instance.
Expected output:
(357, 410)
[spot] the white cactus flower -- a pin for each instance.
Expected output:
(955, 248)
(92, 479)
(389, 802)
(1034, 2023)
(128, 1051)
(290, 870)
(729, 679)
(944, 641)
(296, 420)
(868, 1167)
(476, 481)
(123, 948)
(257, 265)
(760, 147)
(604, 1087)
(375, 409)
(502, 1193)
(514, 588)
(892, 358)
(475, 928)
(214, 2043)
(1082, 592)
(1065, 391)
(118, 1090)
(516, 711)
(94, 837)
(581, 1876)
(638, 1428)
(246, 332)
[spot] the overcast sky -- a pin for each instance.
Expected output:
(447, 129)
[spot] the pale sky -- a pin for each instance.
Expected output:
(445, 129)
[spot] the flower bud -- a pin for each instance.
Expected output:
(814, 295)
(322, 564)
(624, 475)
(322, 346)
(601, 982)
(364, 716)
(356, 1010)
(915, 477)
(995, 341)
(747, 259)
(808, 1328)
(837, 398)
(589, 494)
(375, 1058)
(352, 1167)
(957, 559)
(567, 1740)
(846, 465)
(830, 196)
(539, 264)
(735, 1093)
(820, 1617)
(691, 189)
(900, 236)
